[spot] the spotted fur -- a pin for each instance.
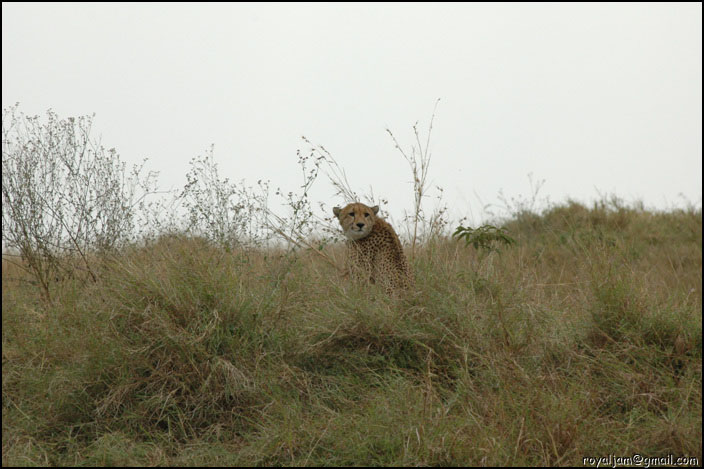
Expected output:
(374, 250)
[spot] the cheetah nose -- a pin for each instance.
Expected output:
(360, 225)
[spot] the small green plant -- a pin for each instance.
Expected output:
(484, 237)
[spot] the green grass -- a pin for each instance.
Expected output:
(582, 340)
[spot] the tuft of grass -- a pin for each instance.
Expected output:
(584, 338)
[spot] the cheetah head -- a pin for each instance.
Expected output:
(357, 220)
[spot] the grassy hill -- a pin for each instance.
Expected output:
(583, 340)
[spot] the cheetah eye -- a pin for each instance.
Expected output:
(351, 214)
(366, 214)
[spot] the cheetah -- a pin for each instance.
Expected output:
(374, 250)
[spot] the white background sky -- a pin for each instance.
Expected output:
(592, 98)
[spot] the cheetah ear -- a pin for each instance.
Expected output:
(375, 209)
(336, 211)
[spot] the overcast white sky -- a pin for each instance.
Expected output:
(590, 97)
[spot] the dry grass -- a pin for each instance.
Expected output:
(583, 340)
